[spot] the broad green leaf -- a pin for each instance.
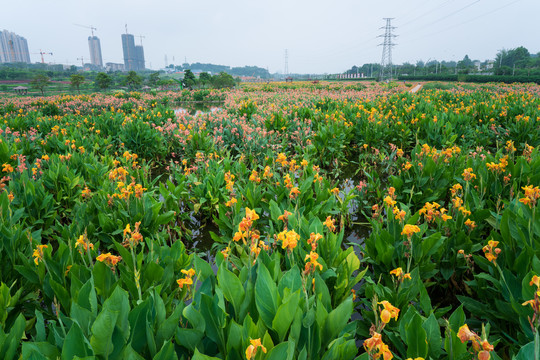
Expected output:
(167, 329)
(202, 268)
(417, 344)
(199, 356)
(232, 288)
(280, 352)
(290, 280)
(102, 331)
(188, 338)
(74, 344)
(433, 334)
(167, 352)
(336, 320)
(285, 315)
(266, 296)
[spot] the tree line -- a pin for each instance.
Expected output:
(513, 62)
(134, 81)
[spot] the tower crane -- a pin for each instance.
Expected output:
(41, 52)
(140, 37)
(88, 27)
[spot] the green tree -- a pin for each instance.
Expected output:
(76, 81)
(153, 79)
(103, 81)
(465, 63)
(223, 80)
(189, 79)
(40, 82)
(133, 81)
(166, 83)
(205, 78)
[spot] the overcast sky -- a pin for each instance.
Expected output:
(321, 36)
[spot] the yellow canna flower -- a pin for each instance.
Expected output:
(38, 253)
(535, 280)
(397, 272)
(251, 350)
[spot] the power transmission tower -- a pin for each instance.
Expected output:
(286, 70)
(386, 61)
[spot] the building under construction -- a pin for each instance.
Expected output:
(13, 48)
(95, 51)
(133, 54)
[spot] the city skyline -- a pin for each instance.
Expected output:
(320, 38)
(13, 48)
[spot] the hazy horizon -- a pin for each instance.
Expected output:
(320, 38)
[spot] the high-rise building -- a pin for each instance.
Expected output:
(133, 54)
(95, 51)
(139, 54)
(13, 48)
(128, 46)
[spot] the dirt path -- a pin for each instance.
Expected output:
(416, 88)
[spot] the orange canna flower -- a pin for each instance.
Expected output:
(225, 252)
(394, 311)
(399, 214)
(313, 239)
(290, 240)
(285, 216)
(535, 280)
(464, 334)
(251, 214)
(373, 342)
(188, 280)
(109, 259)
(468, 175)
(491, 251)
(409, 230)
(389, 201)
(7, 168)
(470, 224)
(294, 193)
(312, 264)
(329, 222)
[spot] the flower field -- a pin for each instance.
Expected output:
(305, 221)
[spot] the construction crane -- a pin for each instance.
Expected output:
(88, 27)
(140, 37)
(41, 52)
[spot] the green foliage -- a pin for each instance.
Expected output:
(76, 81)
(103, 81)
(40, 82)
(222, 80)
(129, 232)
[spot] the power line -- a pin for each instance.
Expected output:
(465, 22)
